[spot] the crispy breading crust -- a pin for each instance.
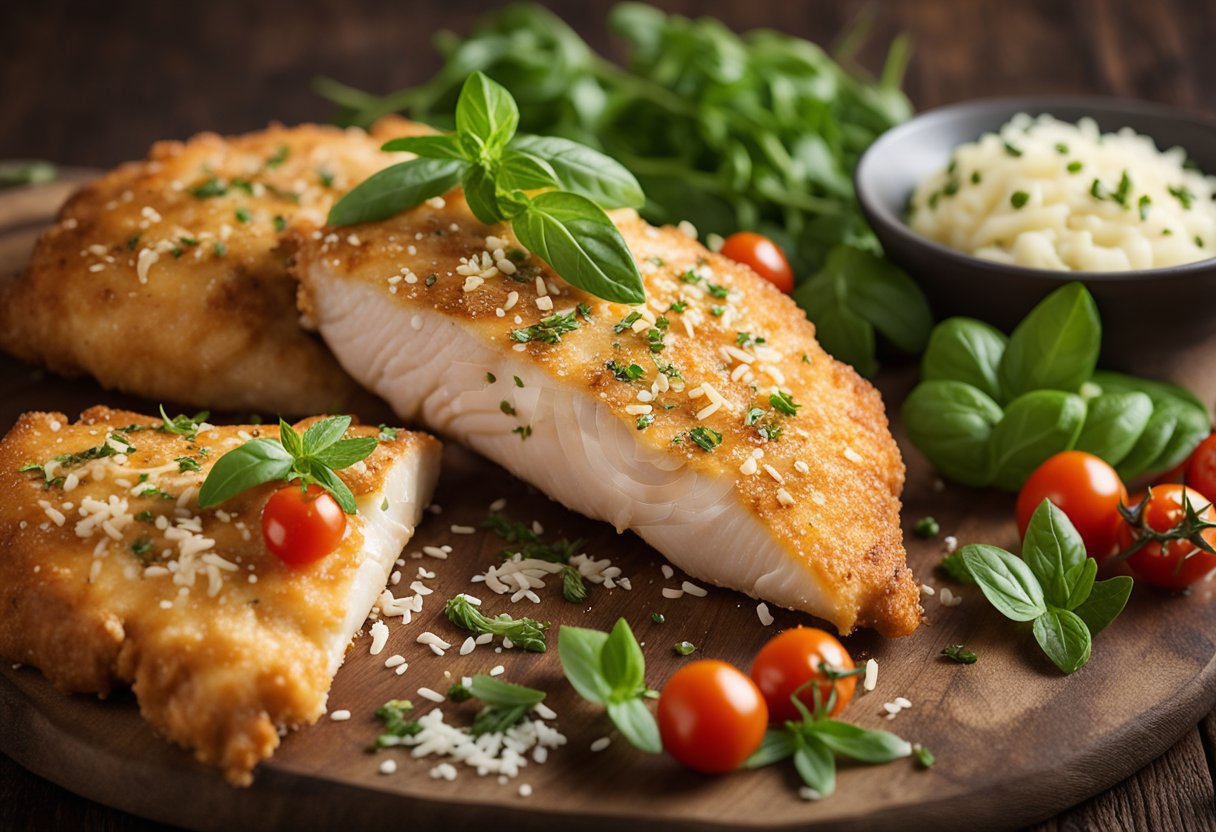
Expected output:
(843, 524)
(209, 319)
(219, 675)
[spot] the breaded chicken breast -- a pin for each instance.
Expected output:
(111, 574)
(707, 420)
(165, 277)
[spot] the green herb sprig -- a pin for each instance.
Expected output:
(815, 740)
(526, 633)
(501, 173)
(1052, 585)
(991, 408)
(608, 669)
(312, 458)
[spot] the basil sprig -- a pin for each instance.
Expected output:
(815, 741)
(1052, 584)
(990, 408)
(564, 225)
(312, 458)
(609, 669)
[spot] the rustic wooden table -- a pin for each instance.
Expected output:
(96, 84)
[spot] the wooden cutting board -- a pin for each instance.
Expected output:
(1015, 741)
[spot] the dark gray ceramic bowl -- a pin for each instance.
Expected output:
(1168, 307)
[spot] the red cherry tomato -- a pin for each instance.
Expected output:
(300, 526)
(1173, 564)
(1085, 488)
(1201, 468)
(763, 255)
(711, 716)
(790, 660)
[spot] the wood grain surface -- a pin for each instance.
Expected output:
(95, 84)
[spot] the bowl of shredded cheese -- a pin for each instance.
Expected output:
(990, 205)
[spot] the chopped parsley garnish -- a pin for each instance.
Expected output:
(720, 292)
(187, 463)
(142, 548)
(511, 531)
(1011, 150)
(430, 279)
(626, 322)
(770, 430)
(706, 438)
(506, 407)
(783, 403)
(326, 178)
(574, 588)
(633, 372)
(524, 431)
(1144, 203)
(133, 242)
(1123, 191)
(976, 177)
(690, 277)
(1096, 190)
(386, 433)
(585, 311)
(459, 693)
(523, 632)
(491, 378)
(1019, 199)
(145, 516)
(1183, 194)
(924, 757)
(927, 527)
(667, 368)
(242, 214)
(654, 335)
(959, 653)
(1074, 167)
(746, 339)
(678, 306)
(396, 726)
(645, 421)
(209, 188)
(280, 222)
(220, 249)
(519, 382)
(1061, 148)
(658, 618)
(279, 157)
(684, 648)
(717, 311)
(549, 331)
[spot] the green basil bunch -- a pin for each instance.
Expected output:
(990, 408)
(501, 172)
(1052, 584)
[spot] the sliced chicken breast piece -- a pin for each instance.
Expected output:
(708, 420)
(110, 573)
(165, 278)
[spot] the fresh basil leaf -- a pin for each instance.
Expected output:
(1192, 427)
(502, 694)
(290, 440)
(395, 189)
(956, 568)
(428, 147)
(777, 745)
(487, 111)
(966, 350)
(857, 743)
(1056, 346)
(332, 483)
(574, 236)
(1113, 423)
(1158, 391)
(952, 423)
(579, 650)
(346, 452)
(1105, 602)
(1081, 579)
(841, 331)
(1152, 442)
(584, 171)
(1006, 582)
(524, 172)
(884, 295)
(256, 462)
(1036, 426)
(622, 663)
(636, 724)
(1053, 550)
(1064, 638)
(320, 435)
(815, 763)
(481, 192)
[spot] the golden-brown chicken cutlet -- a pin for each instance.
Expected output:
(111, 573)
(165, 278)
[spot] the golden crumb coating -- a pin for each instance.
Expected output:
(166, 278)
(110, 573)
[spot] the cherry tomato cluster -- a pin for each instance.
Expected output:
(712, 716)
(1167, 533)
